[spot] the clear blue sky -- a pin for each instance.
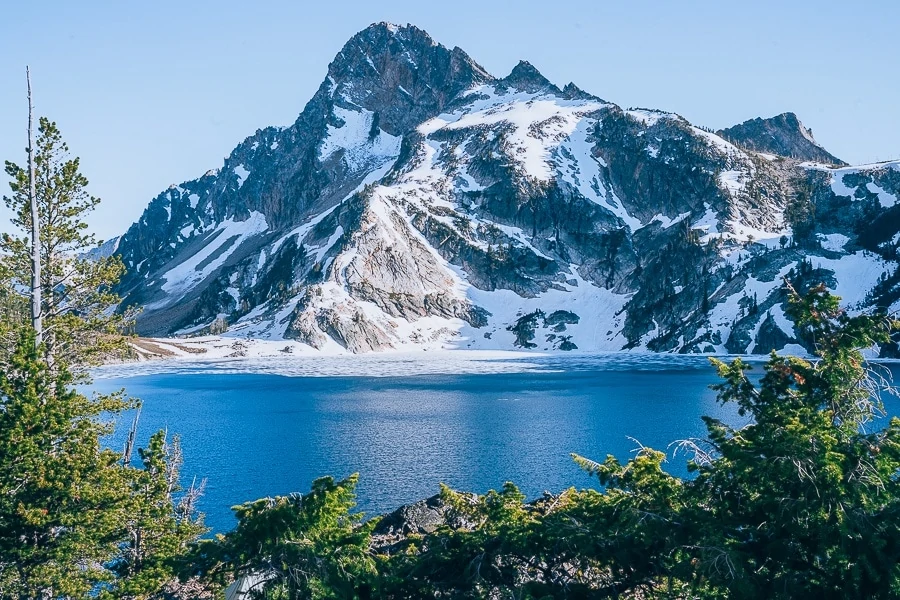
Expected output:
(154, 93)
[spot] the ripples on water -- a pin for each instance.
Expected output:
(407, 423)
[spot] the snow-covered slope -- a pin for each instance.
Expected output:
(420, 202)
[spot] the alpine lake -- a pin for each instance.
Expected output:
(264, 427)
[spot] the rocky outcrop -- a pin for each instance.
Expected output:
(783, 135)
(396, 530)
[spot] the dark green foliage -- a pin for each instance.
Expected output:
(79, 327)
(301, 546)
(160, 523)
(802, 502)
(489, 553)
(60, 492)
(75, 521)
(525, 327)
(800, 213)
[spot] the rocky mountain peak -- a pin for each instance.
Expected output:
(783, 135)
(573, 92)
(378, 37)
(526, 77)
(401, 73)
(419, 203)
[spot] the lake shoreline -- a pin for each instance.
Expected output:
(239, 355)
(266, 427)
(219, 347)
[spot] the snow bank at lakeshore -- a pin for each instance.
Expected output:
(248, 356)
(226, 355)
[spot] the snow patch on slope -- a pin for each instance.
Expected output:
(600, 312)
(539, 122)
(724, 314)
(840, 187)
(578, 166)
(182, 278)
(855, 273)
(361, 149)
(242, 174)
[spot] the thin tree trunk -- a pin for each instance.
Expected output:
(35, 231)
(129, 442)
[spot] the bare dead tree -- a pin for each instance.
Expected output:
(132, 434)
(35, 231)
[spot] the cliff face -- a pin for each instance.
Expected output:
(419, 201)
(783, 135)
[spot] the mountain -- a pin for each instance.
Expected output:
(419, 202)
(104, 250)
(783, 135)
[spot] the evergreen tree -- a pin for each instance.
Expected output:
(800, 213)
(79, 326)
(160, 524)
(61, 493)
(76, 520)
(14, 314)
(804, 501)
(295, 547)
(493, 555)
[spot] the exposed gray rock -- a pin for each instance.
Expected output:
(526, 77)
(783, 135)
(352, 329)
(421, 518)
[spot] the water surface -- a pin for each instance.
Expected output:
(253, 435)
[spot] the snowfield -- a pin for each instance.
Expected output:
(224, 240)
(270, 358)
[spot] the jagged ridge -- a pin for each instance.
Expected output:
(420, 202)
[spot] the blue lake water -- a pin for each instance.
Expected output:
(253, 435)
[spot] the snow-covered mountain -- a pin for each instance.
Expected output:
(419, 201)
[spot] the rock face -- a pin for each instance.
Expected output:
(104, 250)
(395, 531)
(420, 202)
(783, 135)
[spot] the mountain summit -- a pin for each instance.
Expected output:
(783, 135)
(420, 202)
(401, 73)
(526, 77)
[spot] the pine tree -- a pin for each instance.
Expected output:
(76, 519)
(79, 326)
(35, 242)
(302, 546)
(160, 523)
(804, 502)
(61, 493)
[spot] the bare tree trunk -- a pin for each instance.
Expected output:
(35, 231)
(132, 434)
